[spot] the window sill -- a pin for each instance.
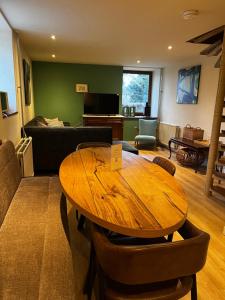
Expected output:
(7, 115)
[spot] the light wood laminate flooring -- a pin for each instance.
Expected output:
(208, 213)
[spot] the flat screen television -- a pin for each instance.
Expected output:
(101, 104)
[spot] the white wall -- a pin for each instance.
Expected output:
(198, 115)
(155, 92)
(10, 128)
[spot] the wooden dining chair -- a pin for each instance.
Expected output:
(81, 218)
(165, 270)
(92, 144)
(165, 164)
(170, 168)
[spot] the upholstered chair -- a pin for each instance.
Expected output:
(164, 270)
(147, 133)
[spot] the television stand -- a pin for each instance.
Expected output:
(114, 121)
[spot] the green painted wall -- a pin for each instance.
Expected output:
(54, 87)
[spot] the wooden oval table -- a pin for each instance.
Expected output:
(141, 199)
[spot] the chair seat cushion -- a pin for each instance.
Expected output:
(145, 139)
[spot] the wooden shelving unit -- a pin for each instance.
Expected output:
(116, 122)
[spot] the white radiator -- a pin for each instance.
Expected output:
(167, 131)
(24, 153)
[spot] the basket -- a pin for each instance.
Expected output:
(188, 157)
(192, 133)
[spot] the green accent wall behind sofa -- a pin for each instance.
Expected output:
(54, 87)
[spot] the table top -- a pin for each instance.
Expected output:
(141, 199)
(190, 143)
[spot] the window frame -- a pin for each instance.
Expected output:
(11, 69)
(150, 73)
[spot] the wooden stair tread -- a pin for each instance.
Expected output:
(222, 159)
(219, 175)
(209, 37)
(221, 147)
(220, 163)
(218, 189)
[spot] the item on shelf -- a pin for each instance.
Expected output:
(126, 111)
(192, 133)
(132, 111)
(147, 110)
(188, 157)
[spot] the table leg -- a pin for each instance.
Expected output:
(198, 163)
(197, 159)
(90, 277)
(169, 144)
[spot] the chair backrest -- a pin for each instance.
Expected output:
(165, 164)
(9, 176)
(148, 127)
(92, 144)
(143, 264)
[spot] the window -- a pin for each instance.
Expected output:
(7, 76)
(137, 87)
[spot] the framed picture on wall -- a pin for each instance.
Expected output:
(81, 88)
(188, 85)
(26, 79)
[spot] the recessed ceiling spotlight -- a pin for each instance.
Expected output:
(53, 37)
(190, 14)
(170, 47)
(53, 55)
(138, 61)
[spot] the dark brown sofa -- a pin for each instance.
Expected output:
(35, 256)
(52, 144)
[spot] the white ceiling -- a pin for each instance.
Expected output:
(117, 32)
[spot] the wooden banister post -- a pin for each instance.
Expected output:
(216, 121)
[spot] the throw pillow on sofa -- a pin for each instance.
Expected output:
(54, 122)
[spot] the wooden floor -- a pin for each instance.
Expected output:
(208, 213)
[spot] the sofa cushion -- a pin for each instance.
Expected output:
(145, 139)
(9, 177)
(54, 122)
(35, 257)
(37, 121)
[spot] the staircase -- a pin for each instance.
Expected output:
(215, 176)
